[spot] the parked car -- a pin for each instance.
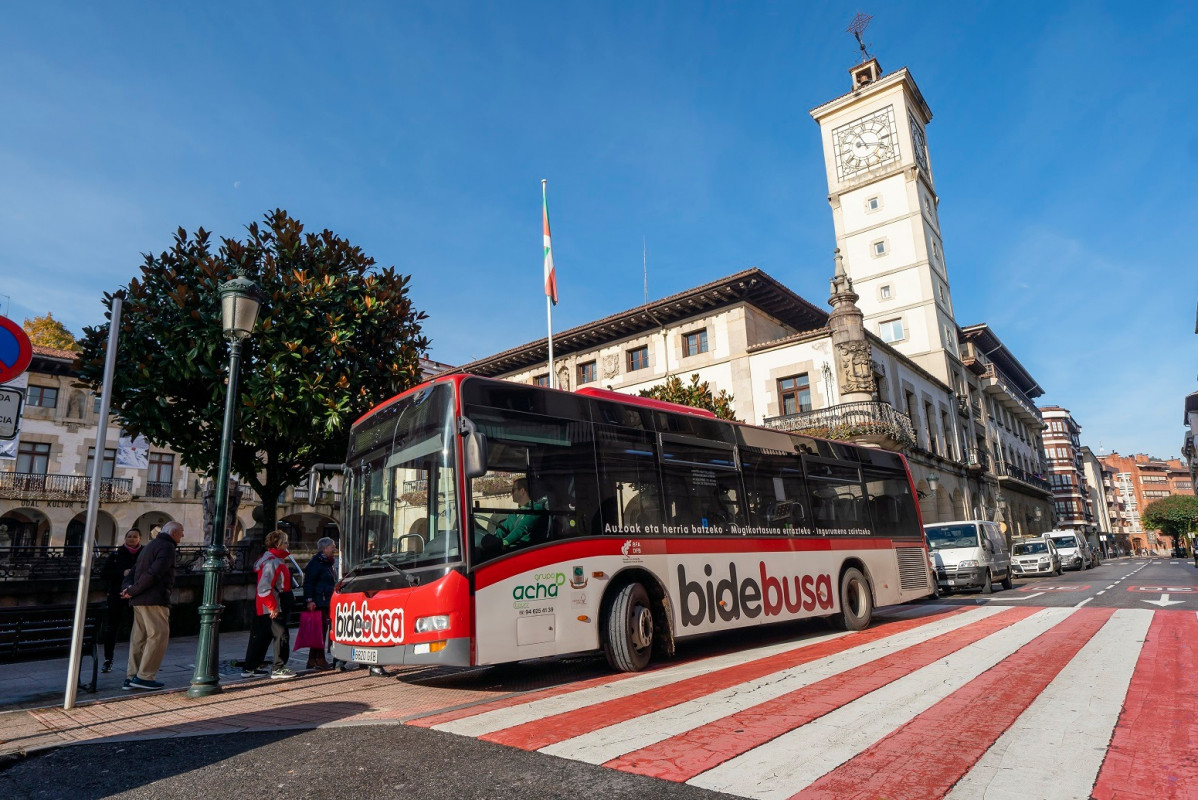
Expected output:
(1035, 557)
(970, 554)
(1074, 552)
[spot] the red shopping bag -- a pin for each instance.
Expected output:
(311, 631)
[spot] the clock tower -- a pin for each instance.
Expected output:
(884, 209)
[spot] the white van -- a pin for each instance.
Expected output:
(1074, 552)
(971, 554)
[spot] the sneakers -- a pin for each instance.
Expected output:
(257, 672)
(139, 683)
(107, 666)
(125, 684)
(282, 673)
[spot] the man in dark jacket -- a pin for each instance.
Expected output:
(150, 595)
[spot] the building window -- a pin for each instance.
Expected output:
(109, 461)
(33, 458)
(694, 343)
(795, 394)
(541, 380)
(873, 204)
(162, 468)
(884, 292)
(891, 330)
(587, 373)
(43, 396)
(878, 248)
(638, 358)
(935, 250)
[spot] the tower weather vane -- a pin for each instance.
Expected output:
(857, 27)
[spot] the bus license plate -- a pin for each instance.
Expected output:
(364, 655)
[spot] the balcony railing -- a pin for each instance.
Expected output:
(850, 422)
(1016, 394)
(35, 486)
(1012, 471)
(159, 490)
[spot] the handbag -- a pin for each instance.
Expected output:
(311, 631)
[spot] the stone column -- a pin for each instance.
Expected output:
(852, 353)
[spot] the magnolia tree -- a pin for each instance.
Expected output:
(336, 336)
(696, 394)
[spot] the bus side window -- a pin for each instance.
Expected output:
(891, 506)
(777, 494)
(629, 486)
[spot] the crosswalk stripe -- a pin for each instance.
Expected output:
(961, 703)
(544, 725)
(1074, 715)
(794, 760)
(925, 757)
(749, 715)
(1152, 753)
(596, 734)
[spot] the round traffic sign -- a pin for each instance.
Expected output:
(15, 350)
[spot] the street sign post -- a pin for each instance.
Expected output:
(15, 350)
(10, 412)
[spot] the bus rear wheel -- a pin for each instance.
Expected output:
(628, 635)
(856, 601)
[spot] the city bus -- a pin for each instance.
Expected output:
(487, 522)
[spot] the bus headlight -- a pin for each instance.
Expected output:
(437, 623)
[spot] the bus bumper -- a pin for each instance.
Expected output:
(456, 653)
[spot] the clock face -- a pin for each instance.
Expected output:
(920, 144)
(865, 143)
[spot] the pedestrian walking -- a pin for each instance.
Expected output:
(319, 580)
(117, 567)
(149, 592)
(273, 602)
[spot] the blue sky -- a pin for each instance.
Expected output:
(1064, 143)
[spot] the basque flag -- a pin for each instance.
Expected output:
(550, 273)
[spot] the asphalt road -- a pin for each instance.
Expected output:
(361, 763)
(1150, 583)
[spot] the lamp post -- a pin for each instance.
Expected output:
(240, 299)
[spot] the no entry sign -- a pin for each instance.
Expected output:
(15, 350)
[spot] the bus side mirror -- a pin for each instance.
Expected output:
(474, 449)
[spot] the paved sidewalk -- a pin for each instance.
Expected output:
(32, 693)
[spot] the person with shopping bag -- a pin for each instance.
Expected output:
(319, 580)
(273, 602)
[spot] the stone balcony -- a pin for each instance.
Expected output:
(29, 486)
(870, 423)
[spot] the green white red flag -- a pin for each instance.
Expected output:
(550, 273)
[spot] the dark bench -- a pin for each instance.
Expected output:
(35, 632)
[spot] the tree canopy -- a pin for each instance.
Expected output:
(336, 337)
(695, 394)
(1175, 515)
(49, 332)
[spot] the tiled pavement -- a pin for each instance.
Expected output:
(32, 695)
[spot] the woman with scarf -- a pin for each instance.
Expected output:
(118, 566)
(273, 603)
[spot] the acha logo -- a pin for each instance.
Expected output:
(367, 626)
(546, 585)
(730, 598)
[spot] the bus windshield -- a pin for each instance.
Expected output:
(402, 504)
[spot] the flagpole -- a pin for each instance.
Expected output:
(548, 298)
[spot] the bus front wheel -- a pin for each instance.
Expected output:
(856, 601)
(628, 638)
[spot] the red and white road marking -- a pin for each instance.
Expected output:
(963, 704)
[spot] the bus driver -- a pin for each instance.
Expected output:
(517, 530)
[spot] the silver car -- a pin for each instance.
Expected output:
(1035, 557)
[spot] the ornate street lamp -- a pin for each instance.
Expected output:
(240, 299)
